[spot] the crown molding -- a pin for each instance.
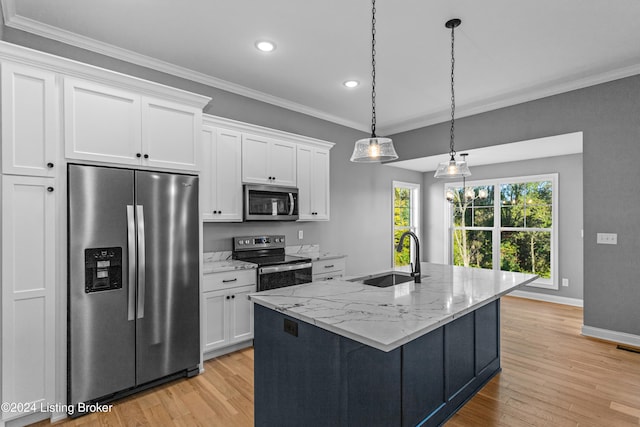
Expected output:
(38, 28)
(541, 90)
(242, 127)
(68, 67)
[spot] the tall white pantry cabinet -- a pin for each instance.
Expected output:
(54, 110)
(30, 136)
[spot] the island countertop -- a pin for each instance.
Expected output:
(387, 318)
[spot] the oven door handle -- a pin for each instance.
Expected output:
(280, 268)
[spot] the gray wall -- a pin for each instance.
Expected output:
(608, 115)
(569, 169)
(360, 225)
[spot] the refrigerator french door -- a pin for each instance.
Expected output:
(133, 304)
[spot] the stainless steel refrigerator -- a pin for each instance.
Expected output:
(133, 294)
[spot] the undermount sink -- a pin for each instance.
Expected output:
(384, 280)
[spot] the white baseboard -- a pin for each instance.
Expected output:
(226, 350)
(608, 335)
(548, 298)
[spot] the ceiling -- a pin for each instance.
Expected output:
(507, 51)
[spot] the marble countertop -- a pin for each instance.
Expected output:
(386, 318)
(216, 262)
(319, 256)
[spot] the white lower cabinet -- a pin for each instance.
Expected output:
(227, 313)
(328, 269)
(28, 291)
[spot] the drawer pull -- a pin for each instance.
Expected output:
(229, 280)
(329, 266)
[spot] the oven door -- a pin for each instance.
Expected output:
(270, 203)
(280, 276)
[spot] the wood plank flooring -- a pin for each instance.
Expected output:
(551, 376)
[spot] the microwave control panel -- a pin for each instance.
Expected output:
(102, 269)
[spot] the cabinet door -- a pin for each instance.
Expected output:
(28, 290)
(227, 175)
(320, 184)
(170, 135)
(216, 320)
(282, 163)
(241, 312)
(304, 180)
(101, 123)
(29, 120)
(207, 171)
(255, 156)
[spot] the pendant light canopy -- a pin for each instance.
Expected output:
(452, 168)
(374, 149)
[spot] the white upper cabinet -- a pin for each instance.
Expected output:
(313, 183)
(221, 175)
(170, 134)
(109, 124)
(268, 161)
(101, 123)
(29, 120)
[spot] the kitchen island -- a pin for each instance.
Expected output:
(348, 354)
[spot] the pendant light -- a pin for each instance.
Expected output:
(452, 168)
(375, 148)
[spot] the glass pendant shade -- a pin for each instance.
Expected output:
(373, 150)
(452, 169)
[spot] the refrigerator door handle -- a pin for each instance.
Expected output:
(131, 249)
(141, 261)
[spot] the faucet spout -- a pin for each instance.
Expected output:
(416, 273)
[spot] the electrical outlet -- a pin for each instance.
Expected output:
(607, 239)
(300, 234)
(565, 282)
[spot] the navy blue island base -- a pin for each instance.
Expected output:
(307, 376)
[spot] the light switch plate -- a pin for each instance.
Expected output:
(607, 239)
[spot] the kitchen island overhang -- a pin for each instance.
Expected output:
(351, 354)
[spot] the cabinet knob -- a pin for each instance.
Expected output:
(50, 189)
(146, 156)
(228, 297)
(233, 296)
(138, 155)
(50, 165)
(219, 212)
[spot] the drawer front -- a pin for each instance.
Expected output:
(228, 279)
(328, 265)
(328, 276)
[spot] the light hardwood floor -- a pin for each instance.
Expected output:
(551, 376)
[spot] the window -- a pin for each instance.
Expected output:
(506, 224)
(406, 216)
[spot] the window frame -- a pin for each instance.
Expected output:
(414, 218)
(551, 283)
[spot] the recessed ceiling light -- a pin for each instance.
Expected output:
(351, 83)
(265, 46)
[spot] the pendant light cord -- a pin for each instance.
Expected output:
(452, 152)
(373, 69)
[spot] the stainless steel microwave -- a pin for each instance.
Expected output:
(270, 203)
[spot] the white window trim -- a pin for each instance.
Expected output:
(415, 214)
(552, 283)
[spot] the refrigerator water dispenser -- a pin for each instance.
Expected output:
(102, 269)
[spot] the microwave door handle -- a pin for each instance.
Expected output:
(292, 203)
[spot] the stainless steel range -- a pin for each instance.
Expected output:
(275, 269)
